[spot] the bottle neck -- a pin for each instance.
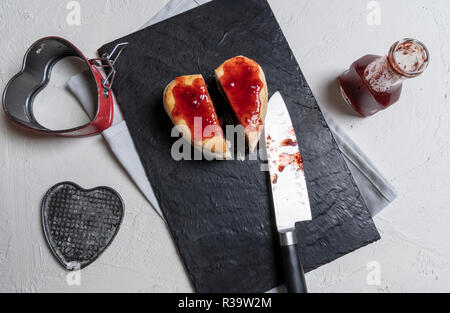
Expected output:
(380, 75)
(409, 58)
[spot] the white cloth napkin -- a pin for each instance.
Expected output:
(117, 136)
(377, 192)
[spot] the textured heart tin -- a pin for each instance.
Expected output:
(80, 224)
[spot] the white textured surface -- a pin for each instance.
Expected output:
(410, 143)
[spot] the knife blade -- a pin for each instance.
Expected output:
(289, 190)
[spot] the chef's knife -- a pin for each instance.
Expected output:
(289, 190)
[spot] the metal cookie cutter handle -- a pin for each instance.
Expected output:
(39, 60)
(107, 62)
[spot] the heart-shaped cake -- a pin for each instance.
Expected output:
(80, 224)
(191, 109)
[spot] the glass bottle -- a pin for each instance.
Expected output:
(373, 83)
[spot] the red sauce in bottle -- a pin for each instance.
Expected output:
(374, 83)
(357, 92)
(242, 85)
(193, 101)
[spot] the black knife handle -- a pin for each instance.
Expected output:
(293, 270)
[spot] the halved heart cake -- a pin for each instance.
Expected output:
(244, 84)
(189, 105)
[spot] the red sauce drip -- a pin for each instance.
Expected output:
(274, 179)
(193, 101)
(288, 159)
(269, 144)
(289, 143)
(242, 84)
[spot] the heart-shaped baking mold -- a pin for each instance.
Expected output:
(80, 224)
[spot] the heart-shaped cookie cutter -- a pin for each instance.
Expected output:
(36, 70)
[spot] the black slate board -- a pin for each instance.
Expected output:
(219, 213)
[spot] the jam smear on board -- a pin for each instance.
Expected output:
(242, 84)
(194, 102)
